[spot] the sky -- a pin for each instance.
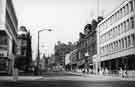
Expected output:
(66, 17)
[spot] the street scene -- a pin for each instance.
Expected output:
(67, 43)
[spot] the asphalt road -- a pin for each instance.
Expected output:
(66, 83)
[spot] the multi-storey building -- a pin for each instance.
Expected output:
(61, 49)
(116, 38)
(71, 60)
(87, 44)
(24, 49)
(8, 35)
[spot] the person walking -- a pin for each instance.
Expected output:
(121, 72)
(125, 75)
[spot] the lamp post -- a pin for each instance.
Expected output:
(38, 55)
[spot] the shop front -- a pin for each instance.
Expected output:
(114, 65)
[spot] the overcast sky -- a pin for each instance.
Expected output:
(66, 17)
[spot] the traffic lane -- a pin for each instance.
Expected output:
(66, 83)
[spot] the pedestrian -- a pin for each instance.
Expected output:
(106, 71)
(125, 72)
(121, 72)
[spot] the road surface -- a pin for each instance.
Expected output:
(62, 79)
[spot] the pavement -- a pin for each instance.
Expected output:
(66, 79)
(77, 77)
(22, 78)
(103, 77)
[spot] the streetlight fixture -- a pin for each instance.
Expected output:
(38, 55)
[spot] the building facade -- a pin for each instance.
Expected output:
(8, 34)
(61, 49)
(116, 39)
(71, 61)
(24, 50)
(87, 45)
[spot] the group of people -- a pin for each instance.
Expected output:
(123, 73)
(104, 71)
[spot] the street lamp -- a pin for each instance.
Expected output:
(38, 55)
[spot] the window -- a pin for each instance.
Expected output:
(127, 9)
(119, 45)
(118, 32)
(132, 39)
(132, 22)
(126, 42)
(124, 27)
(111, 20)
(124, 11)
(122, 43)
(115, 31)
(115, 17)
(120, 12)
(129, 41)
(128, 24)
(131, 5)
(3, 40)
(118, 15)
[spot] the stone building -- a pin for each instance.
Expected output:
(116, 39)
(87, 45)
(8, 35)
(61, 49)
(24, 49)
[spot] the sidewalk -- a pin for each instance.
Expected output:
(22, 78)
(103, 77)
